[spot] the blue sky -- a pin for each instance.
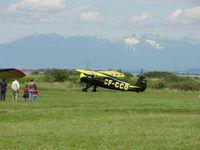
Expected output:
(112, 19)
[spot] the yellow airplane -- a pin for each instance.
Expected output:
(110, 80)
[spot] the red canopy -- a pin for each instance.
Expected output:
(6, 73)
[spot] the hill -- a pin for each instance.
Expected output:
(149, 52)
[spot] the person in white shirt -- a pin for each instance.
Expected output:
(15, 89)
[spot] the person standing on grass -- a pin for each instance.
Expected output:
(31, 87)
(15, 89)
(35, 95)
(26, 93)
(3, 86)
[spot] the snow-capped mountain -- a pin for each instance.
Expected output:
(149, 52)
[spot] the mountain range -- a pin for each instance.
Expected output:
(147, 52)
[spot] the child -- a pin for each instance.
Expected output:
(35, 94)
(26, 93)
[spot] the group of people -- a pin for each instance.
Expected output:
(30, 91)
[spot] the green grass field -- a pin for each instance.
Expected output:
(67, 119)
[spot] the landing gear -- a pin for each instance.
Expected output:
(94, 89)
(88, 86)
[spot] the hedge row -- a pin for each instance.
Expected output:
(159, 80)
(156, 80)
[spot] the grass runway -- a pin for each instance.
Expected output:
(68, 119)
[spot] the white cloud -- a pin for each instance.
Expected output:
(37, 5)
(142, 18)
(193, 13)
(81, 8)
(131, 41)
(34, 11)
(154, 44)
(175, 16)
(93, 16)
(185, 16)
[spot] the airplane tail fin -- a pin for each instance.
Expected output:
(141, 82)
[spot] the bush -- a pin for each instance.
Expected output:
(161, 80)
(128, 75)
(181, 86)
(156, 74)
(56, 75)
(184, 85)
(156, 80)
(159, 84)
(36, 72)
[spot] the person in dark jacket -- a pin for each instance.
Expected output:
(3, 86)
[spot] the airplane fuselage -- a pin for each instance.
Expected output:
(113, 83)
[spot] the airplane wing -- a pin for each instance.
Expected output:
(6, 73)
(89, 72)
(113, 73)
